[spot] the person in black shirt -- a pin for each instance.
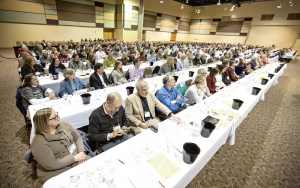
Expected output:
(108, 123)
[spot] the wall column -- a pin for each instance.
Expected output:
(141, 18)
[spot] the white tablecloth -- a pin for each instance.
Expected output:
(134, 153)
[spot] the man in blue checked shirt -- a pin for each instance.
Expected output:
(180, 64)
(169, 95)
(151, 57)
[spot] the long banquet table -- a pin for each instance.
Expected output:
(131, 163)
(55, 84)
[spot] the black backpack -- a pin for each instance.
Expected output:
(19, 102)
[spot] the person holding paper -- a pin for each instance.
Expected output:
(108, 124)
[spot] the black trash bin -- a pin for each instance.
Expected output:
(237, 104)
(129, 90)
(207, 129)
(255, 90)
(86, 97)
(190, 152)
(264, 81)
(55, 76)
(191, 73)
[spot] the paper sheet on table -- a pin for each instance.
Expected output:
(163, 166)
(232, 113)
(222, 124)
(143, 178)
(228, 103)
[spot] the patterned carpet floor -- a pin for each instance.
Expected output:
(266, 151)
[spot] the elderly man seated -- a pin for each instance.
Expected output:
(108, 123)
(140, 108)
(39, 51)
(169, 95)
(77, 64)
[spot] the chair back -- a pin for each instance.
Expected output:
(156, 70)
(148, 71)
(127, 75)
(110, 78)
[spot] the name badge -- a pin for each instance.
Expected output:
(72, 148)
(117, 127)
(147, 114)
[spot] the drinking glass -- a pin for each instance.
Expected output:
(92, 89)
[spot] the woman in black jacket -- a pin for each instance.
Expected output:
(30, 66)
(56, 66)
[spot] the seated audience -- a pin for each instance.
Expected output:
(63, 56)
(169, 95)
(223, 71)
(196, 60)
(92, 59)
(30, 66)
(118, 74)
(142, 56)
(159, 55)
(140, 108)
(45, 58)
(33, 93)
(253, 63)
(39, 51)
(203, 72)
(22, 58)
(264, 60)
(100, 54)
(189, 61)
(168, 66)
(56, 66)
(125, 59)
(56, 147)
(82, 55)
(109, 61)
(211, 80)
(108, 123)
(77, 64)
(202, 59)
(212, 59)
(180, 64)
(54, 52)
(196, 91)
(24, 49)
(71, 83)
(166, 54)
(135, 72)
(219, 77)
(240, 68)
(231, 72)
(98, 79)
(151, 57)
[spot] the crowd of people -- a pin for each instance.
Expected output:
(57, 147)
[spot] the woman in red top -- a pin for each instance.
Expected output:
(211, 80)
(264, 60)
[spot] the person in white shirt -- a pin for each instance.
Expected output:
(197, 89)
(100, 55)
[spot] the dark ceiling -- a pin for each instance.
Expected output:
(214, 2)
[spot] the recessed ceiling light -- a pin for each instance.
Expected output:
(161, 1)
(181, 7)
(219, 3)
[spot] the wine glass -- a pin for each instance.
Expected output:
(92, 89)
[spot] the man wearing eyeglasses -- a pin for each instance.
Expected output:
(108, 123)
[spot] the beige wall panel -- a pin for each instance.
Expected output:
(132, 2)
(169, 7)
(157, 36)
(182, 37)
(99, 8)
(52, 2)
(244, 31)
(118, 34)
(281, 36)
(120, 16)
(22, 6)
(99, 21)
(167, 23)
(216, 38)
(109, 16)
(205, 26)
(51, 17)
(297, 46)
(195, 26)
(54, 33)
(130, 35)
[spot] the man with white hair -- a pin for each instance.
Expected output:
(45, 58)
(140, 108)
(100, 55)
(180, 64)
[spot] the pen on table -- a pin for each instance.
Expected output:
(121, 161)
(161, 184)
(131, 182)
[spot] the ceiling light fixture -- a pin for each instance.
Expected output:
(280, 5)
(198, 11)
(225, 8)
(187, 1)
(291, 4)
(219, 3)
(181, 7)
(161, 1)
(232, 8)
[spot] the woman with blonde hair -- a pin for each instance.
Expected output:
(92, 59)
(125, 59)
(57, 147)
(118, 74)
(168, 66)
(196, 91)
(71, 83)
